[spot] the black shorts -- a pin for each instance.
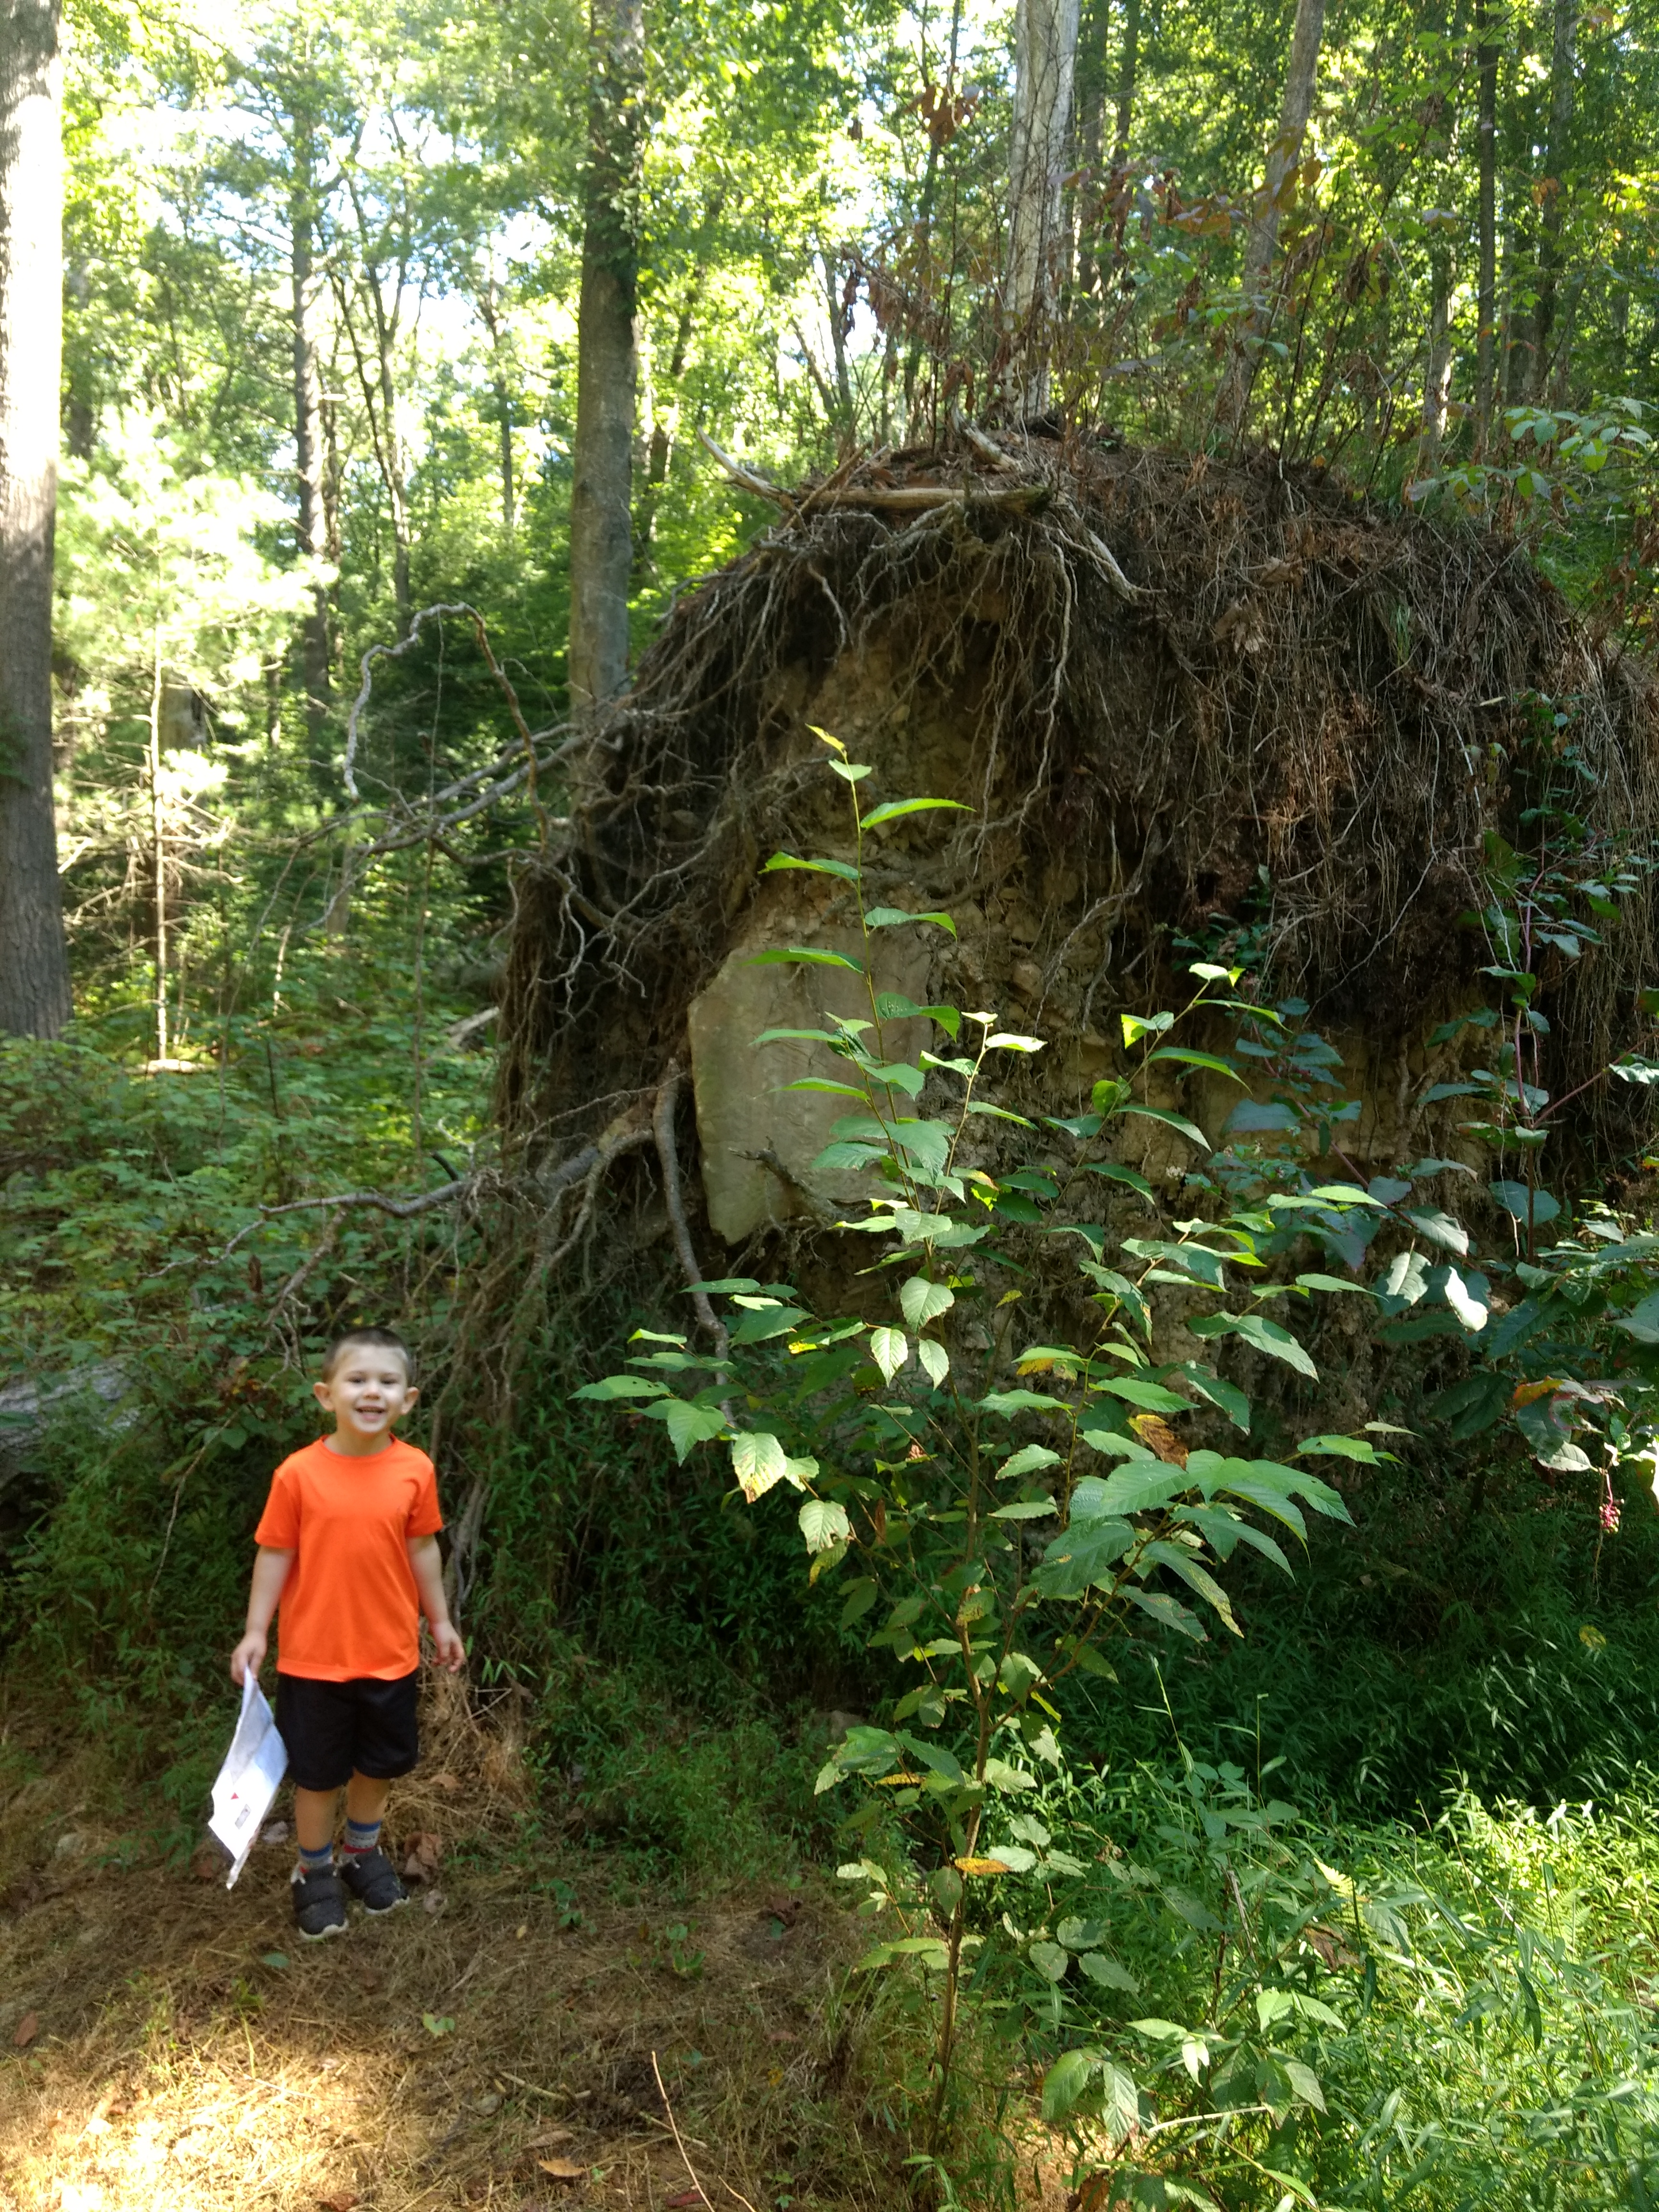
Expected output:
(331, 1729)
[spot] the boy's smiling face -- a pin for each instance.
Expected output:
(367, 1390)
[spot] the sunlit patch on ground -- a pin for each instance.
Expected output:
(166, 2046)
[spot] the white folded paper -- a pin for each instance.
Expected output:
(248, 1780)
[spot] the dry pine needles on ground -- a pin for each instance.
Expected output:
(168, 2047)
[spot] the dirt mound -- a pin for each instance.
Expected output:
(1183, 701)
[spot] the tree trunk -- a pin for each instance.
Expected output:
(1437, 376)
(1300, 76)
(158, 848)
(601, 517)
(666, 420)
(34, 988)
(1127, 71)
(308, 439)
(1563, 60)
(1486, 357)
(1045, 56)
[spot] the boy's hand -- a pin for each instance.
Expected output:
(447, 1647)
(249, 1653)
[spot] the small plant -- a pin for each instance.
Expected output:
(1001, 1508)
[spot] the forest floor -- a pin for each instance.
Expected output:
(166, 2045)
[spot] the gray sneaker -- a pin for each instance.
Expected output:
(373, 1881)
(319, 1904)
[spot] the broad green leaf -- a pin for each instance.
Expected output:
(934, 1357)
(1107, 1973)
(823, 1083)
(1005, 1041)
(728, 1286)
(1026, 1460)
(1051, 1961)
(889, 1349)
(1250, 1117)
(1230, 1399)
(889, 917)
(823, 1522)
(1136, 1026)
(1470, 1310)
(1036, 1508)
(1331, 1283)
(1197, 1577)
(1169, 1612)
(758, 1461)
(1265, 1336)
(691, 1425)
(851, 771)
(809, 955)
(861, 1596)
(623, 1386)
(921, 1301)
(1205, 1060)
(1069, 2077)
(761, 1326)
(844, 869)
(1187, 1129)
(1335, 1447)
(1081, 1555)
(1021, 1401)
(1151, 1397)
(1440, 1229)
(894, 808)
(1114, 1172)
(1520, 1203)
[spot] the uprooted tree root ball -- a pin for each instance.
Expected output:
(1182, 700)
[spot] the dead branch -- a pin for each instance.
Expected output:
(680, 2146)
(747, 477)
(982, 445)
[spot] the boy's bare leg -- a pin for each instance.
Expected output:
(366, 1796)
(314, 1811)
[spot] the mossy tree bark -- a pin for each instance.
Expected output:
(34, 988)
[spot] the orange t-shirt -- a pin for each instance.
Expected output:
(349, 1607)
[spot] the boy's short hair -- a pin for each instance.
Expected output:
(383, 1339)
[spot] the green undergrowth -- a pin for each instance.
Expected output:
(1470, 1997)
(1519, 1659)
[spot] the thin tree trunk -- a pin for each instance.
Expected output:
(666, 420)
(1562, 59)
(601, 516)
(309, 437)
(488, 314)
(35, 986)
(1128, 70)
(1486, 284)
(1301, 75)
(1436, 377)
(1045, 58)
(158, 850)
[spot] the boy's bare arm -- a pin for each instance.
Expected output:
(427, 1565)
(270, 1569)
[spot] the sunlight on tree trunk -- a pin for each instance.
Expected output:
(1563, 63)
(313, 525)
(1301, 74)
(34, 990)
(601, 516)
(1045, 58)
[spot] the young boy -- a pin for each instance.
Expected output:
(349, 1545)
